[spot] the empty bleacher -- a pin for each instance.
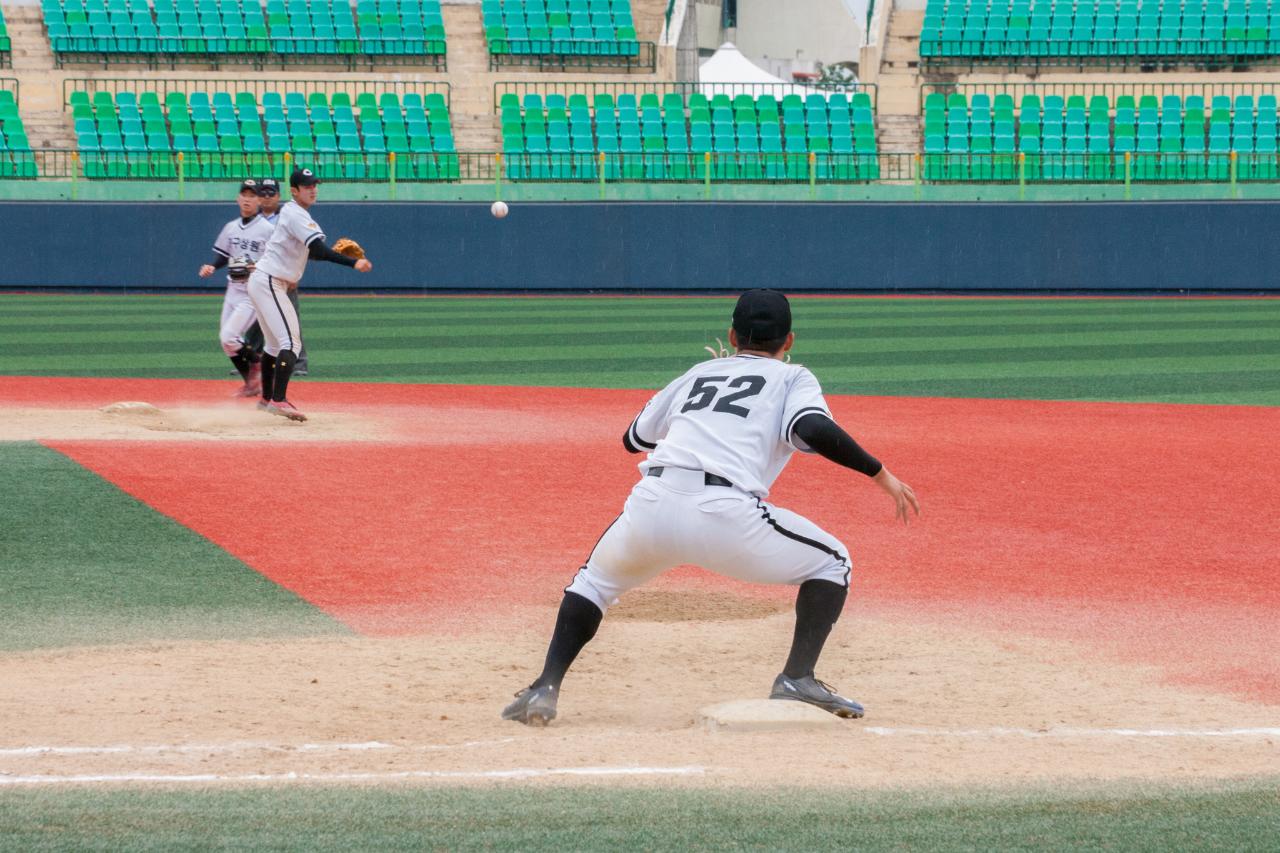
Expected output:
(564, 33)
(218, 32)
(6, 45)
(16, 159)
(680, 134)
(979, 136)
(1100, 32)
(260, 128)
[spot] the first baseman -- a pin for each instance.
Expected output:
(240, 243)
(717, 437)
(296, 238)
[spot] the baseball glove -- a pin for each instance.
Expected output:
(350, 248)
(239, 267)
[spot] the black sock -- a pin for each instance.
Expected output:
(268, 376)
(818, 606)
(284, 369)
(576, 624)
(242, 360)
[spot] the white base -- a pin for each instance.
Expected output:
(131, 407)
(766, 715)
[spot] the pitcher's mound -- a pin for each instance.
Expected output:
(765, 715)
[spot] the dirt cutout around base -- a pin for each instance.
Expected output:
(944, 707)
(141, 421)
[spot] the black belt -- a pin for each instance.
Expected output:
(709, 479)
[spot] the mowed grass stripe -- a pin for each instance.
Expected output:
(591, 305)
(594, 344)
(152, 328)
(1238, 816)
(481, 310)
(85, 563)
(1187, 384)
(566, 361)
(910, 345)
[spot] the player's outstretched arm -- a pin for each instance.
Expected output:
(903, 496)
(318, 250)
(825, 437)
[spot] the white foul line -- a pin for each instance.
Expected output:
(204, 778)
(158, 749)
(1070, 732)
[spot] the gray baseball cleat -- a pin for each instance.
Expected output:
(815, 692)
(534, 706)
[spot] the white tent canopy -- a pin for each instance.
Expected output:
(728, 72)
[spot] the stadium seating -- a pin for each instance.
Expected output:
(220, 135)
(1100, 31)
(1077, 139)
(6, 44)
(668, 137)
(16, 159)
(587, 28)
(243, 30)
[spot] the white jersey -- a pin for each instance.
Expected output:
(243, 238)
(731, 417)
(286, 253)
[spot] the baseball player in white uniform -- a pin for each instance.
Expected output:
(717, 437)
(239, 244)
(296, 239)
(269, 195)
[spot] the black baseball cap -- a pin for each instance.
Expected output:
(249, 186)
(268, 186)
(762, 315)
(303, 178)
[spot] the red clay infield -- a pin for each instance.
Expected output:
(1148, 531)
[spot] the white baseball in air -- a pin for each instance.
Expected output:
(499, 209)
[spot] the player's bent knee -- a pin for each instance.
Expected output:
(584, 585)
(836, 570)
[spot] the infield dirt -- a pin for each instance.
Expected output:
(946, 705)
(1080, 569)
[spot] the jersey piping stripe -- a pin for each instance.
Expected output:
(283, 318)
(319, 235)
(225, 255)
(808, 410)
(791, 534)
(637, 440)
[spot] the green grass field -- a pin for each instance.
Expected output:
(67, 536)
(1241, 817)
(87, 564)
(1166, 350)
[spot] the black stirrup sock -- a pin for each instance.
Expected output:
(242, 360)
(818, 606)
(576, 624)
(268, 376)
(284, 369)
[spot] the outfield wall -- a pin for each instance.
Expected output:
(605, 246)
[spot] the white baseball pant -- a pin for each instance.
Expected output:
(279, 322)
(237, 316)
(677, 519)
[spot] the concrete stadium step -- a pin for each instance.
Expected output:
(471, 90)
(30, 45)
(897, 134)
